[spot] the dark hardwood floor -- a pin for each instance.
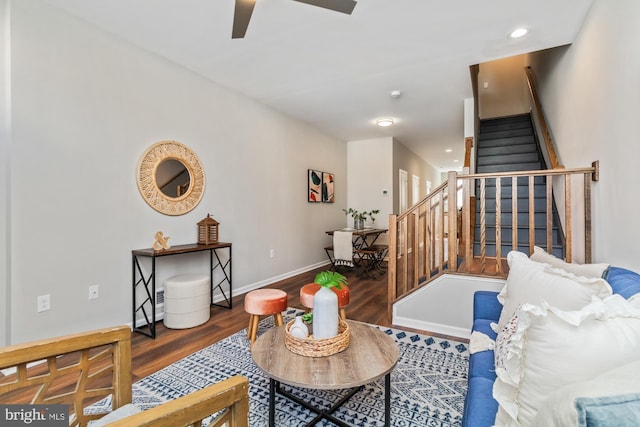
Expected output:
(368, 303)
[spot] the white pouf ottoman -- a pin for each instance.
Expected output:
(187, 300)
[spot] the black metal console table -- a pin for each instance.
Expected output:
(149, 283)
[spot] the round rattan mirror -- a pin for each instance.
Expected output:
(170, 178)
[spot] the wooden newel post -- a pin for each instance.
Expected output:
(452, 214)
(392, 265)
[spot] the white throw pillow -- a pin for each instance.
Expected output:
(584, 270)
(533, 282)
(549, 348)
(559, 409)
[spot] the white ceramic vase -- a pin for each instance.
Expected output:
(299, 329)
(325, 313)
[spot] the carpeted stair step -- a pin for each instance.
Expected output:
(506, 191)
(490, 248)
(521, 121)
(506, 219)
(512, 167)
(540, 234)
(508, 119)
(504, 159)
(508, 144)
(509, 133)
(505, 142)
(539, 205)
(522, 181)
(501, 150)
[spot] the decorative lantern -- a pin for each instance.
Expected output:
(208, 231)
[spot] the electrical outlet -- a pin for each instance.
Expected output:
(93, 292)
(272, 253)
(44, 303)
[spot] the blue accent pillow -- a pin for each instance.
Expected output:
(609, 411)
(624, 282)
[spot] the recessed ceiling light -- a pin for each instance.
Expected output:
(456, 161)
(448, 150)
(384, 122)
(518, 32)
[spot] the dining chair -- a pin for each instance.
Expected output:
(340, 254)
(370, 259)
(343, 249)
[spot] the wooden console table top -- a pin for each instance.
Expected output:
(179, 249)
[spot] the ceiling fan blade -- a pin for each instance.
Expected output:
(342, 6)
(241, 17)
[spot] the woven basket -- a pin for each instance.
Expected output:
(318, 348)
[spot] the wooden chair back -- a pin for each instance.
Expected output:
(81, 369)
(228, 399)
(76, 370)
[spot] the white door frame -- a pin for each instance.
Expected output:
(403, 193)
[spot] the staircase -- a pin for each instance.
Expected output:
(509, 144)
(507, 154)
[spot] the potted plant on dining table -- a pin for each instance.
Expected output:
(359, 218)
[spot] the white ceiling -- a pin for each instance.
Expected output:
(336, 71)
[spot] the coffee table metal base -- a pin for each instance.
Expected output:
(274, 387)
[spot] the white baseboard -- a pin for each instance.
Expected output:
(437, 328)
(256, 285)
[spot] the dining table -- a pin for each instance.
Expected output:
(366, 254)
(362, 238)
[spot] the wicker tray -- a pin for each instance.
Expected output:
(318, 348)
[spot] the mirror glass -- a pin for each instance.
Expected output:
(172, 178)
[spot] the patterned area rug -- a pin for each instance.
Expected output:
(428, 385)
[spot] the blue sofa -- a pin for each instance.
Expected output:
(480, 407)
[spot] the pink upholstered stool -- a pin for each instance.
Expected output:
(264, 302)
(308, 291)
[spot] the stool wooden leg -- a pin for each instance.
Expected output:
(249, 327)
(278, 319)
(256, 322)
(253, 328)
(343, 314)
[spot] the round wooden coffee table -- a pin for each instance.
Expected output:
(371, 355)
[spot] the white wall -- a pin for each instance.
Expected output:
(407, 160)
(85, 107)
(369, 173)
(506, 93)
(469, 118)
(445, 306)
(591, 97)
(5, 134)
(373, 168)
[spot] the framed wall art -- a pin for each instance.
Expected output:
(327, 187)
(314, 186)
